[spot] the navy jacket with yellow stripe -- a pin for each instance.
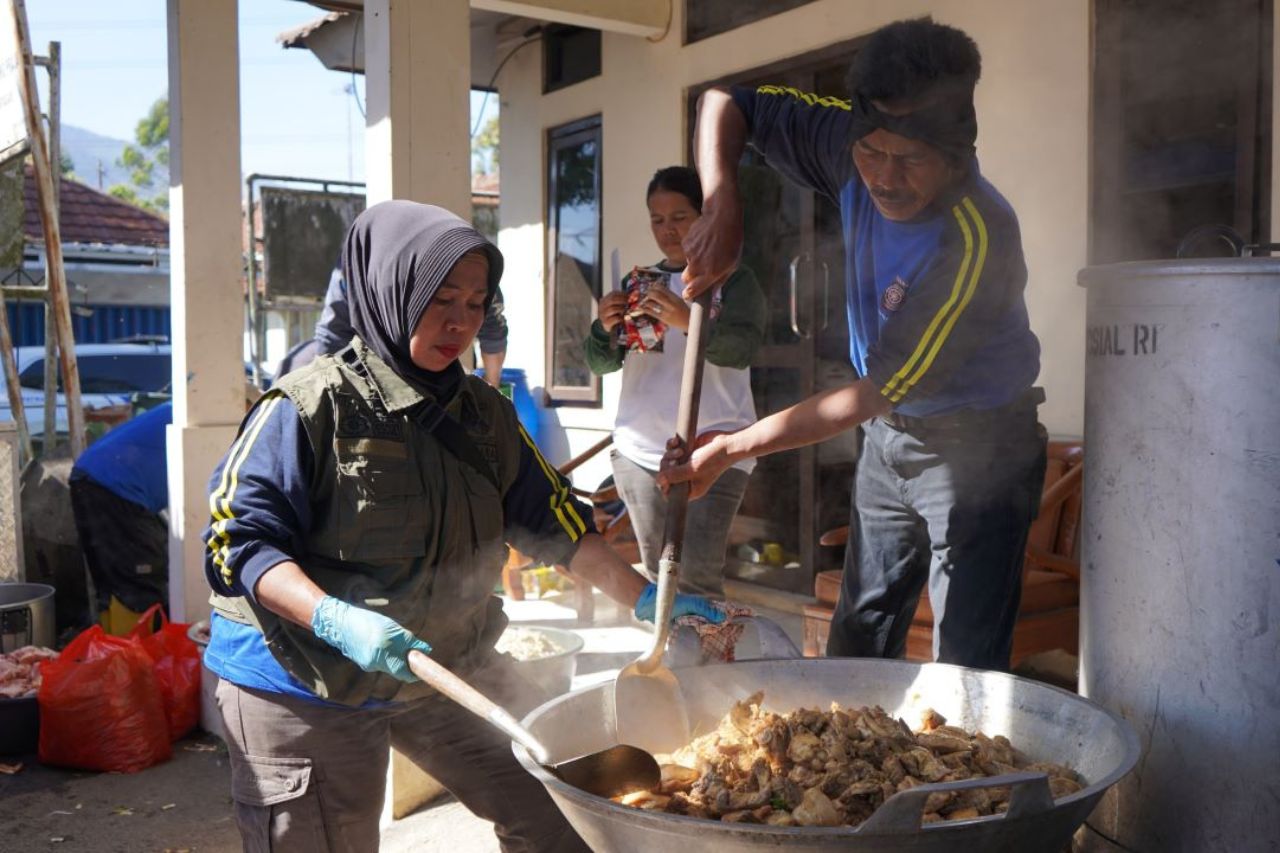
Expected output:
(339, 470)
(937, 318)
(269, 511)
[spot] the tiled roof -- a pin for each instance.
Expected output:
(88, 216)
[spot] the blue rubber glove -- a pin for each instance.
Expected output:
(373, 642)
(685, 605)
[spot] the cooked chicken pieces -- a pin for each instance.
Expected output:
(833, 768)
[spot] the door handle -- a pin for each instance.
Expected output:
(794, 295)
(826, 296)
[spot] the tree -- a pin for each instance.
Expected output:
(485, 148)
(576, 175)
(153, 130)
(152, 148)
(128, 195)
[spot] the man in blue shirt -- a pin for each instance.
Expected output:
(119, 490)
(952, 457)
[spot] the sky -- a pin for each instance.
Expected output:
(296, 117)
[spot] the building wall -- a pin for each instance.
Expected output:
(1033, 117)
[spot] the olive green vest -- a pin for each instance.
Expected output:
(399, 524)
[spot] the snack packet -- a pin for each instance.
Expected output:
(640, 331)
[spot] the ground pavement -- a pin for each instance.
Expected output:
(185, 804)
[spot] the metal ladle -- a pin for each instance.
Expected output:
(611, 772)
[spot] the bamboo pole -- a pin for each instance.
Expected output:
(52, 232)
(7, 356)
(54, 66)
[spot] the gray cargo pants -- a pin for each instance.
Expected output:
(709, 520)
(309, 777)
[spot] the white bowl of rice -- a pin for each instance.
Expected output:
(546, 656)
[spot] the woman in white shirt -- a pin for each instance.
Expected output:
(651, 386)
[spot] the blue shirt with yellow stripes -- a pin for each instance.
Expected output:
(261, 497)
(936, 313)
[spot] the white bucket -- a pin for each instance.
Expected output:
(210, 718)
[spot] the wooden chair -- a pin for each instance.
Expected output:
(1049, 613)
(616, 531)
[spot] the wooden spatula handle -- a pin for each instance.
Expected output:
(687, 421)
(474, 701)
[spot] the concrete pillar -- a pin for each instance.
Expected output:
(418, 110)
(417, 147)
(206, 294)
(1275, 129)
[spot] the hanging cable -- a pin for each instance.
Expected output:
(355, 35)
(531, 35)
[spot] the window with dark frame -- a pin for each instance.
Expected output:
(706, 18)
(573, 258)
(569, 55)
(1181, 131)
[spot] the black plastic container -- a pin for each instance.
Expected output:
(19, 726)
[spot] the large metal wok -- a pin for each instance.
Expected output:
(1044, 722)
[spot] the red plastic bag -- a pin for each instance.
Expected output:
(177, 668)
(100, 706)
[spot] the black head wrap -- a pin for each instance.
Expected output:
(397, 255)
(930, 70)
(948, 122)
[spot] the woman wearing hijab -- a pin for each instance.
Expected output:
(363, 512)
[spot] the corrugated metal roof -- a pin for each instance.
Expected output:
(90, 323)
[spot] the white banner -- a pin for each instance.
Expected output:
(13, 123)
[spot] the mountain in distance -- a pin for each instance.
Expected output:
(95, 161)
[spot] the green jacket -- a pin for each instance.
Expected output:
(736, 333)
(401, 525)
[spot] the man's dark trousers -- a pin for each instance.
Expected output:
(125, 545)
(947, 501)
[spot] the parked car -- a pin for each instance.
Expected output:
(110, 375)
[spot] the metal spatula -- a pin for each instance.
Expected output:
(611, 772)
(648, 706)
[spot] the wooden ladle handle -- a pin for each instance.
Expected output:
(474, 701)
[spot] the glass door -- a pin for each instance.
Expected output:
(1181, 130)
(793, 245)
